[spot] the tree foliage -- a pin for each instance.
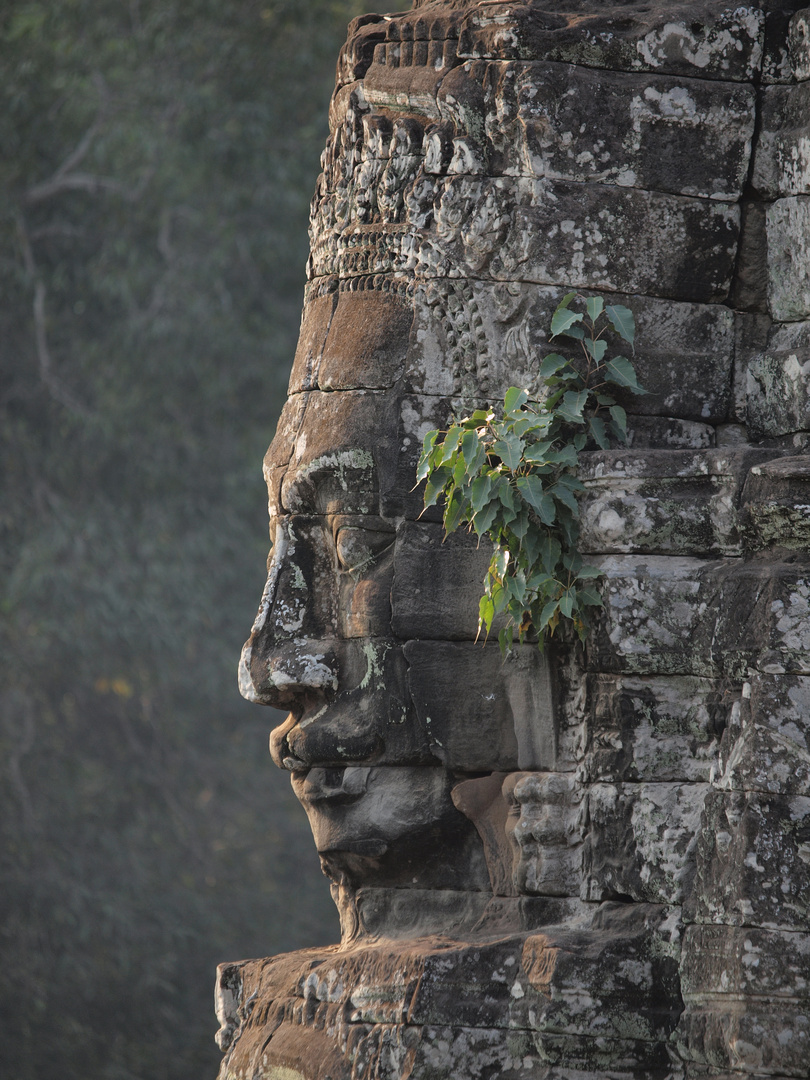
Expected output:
(158, 159)
(512, 477)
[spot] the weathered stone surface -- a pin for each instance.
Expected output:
(772, 964)
(411, 1001)
(666, 615)
(745, 993)
(437, 583)
(342, 445)
(628, 961)
(788, 230)
(752, 866)
(755, 757)
(351, 341)
(751, 1037)
(652, 621)
(710, 39)
(589, 863)
(683, 136)
(375, 825)
(782, 704)
(666, 502)
(653, 728)
(787, 43)
(315, 322)
(776, 503)
(640, 841)
(404, 915)
(545, 827)
(778, 382)
(782, 159)
(475, 339)
(509, 720)
(603, 237)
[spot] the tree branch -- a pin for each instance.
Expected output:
(67, 179)
(49, 379)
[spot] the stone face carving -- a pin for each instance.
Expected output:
(592, 862)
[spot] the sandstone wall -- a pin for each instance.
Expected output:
(593, 862)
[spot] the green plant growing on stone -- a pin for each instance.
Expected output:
(510, 475)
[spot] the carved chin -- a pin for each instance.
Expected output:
(386, 825)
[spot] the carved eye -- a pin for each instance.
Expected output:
(358, 548)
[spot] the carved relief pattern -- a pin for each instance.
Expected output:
(591, 863)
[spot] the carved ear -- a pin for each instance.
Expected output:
(480, 800)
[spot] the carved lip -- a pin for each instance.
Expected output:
(334, 797)
(370, 849)
(295, 765)
(335, 786)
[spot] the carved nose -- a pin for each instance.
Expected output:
(283, 661)
(288, 675)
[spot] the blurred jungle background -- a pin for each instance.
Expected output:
(156, 163)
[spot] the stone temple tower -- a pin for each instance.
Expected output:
(591, 862)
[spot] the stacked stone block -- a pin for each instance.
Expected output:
(592, 862)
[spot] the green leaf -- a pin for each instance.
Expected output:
(538, 452)
(502, 490)
(588, 571)
(479, 491)
(573, 483)
(486, 612)
(574, 332)
(497, 593)
(424, 458)
(550, 551)
(510, 450)
(564, 495)
(622, 321)
(599, 432)
(435, 485)
(533, 491)
(595, 306)
(484, 518)
(566, 603)
(541, 582)
(516, 588)
(472, 451)
(547, 614)
(455, 510)
(460, 477)
(622, 373)
(589, 597)
(619, 418)
(597, 349)
(515, 398)
(520, 525)
(562, 320)
(499, 564)
(527, 426)
(531, 545)
(505, 638)
(551, 365)
(573, 406)
(450, 444)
